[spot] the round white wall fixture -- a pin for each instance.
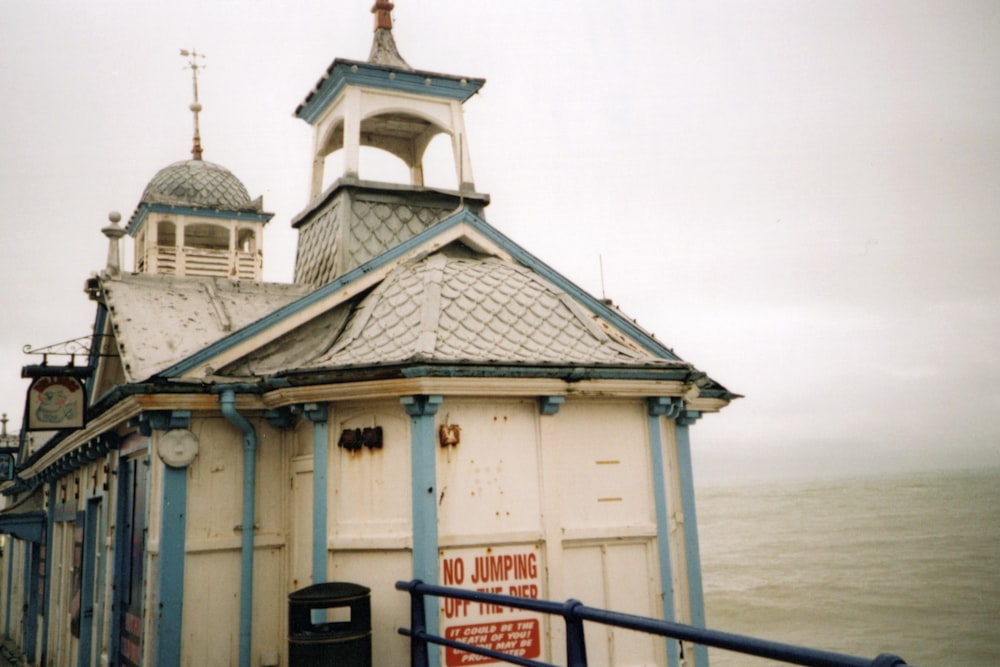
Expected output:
(178, 448)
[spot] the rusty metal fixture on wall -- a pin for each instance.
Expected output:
(372, 437)
(449, 435)
(352, 439)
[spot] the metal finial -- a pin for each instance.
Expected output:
(113, 232)
(195, 107)
(382, 9)
(384, 51)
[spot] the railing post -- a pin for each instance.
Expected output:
(576, 646)
(418, 626)
(424, 498)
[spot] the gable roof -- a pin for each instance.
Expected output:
(159, 320)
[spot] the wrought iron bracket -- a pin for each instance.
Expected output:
(67, 348)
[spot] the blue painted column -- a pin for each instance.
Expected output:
(692, 552)
(88, 608)
(102, 571)
(318, 415)
(423, 464)
(170, 569)
(29, 628)
(8, 562)
(173, 549)
(50, 523)
(660, 407)
(29, 643)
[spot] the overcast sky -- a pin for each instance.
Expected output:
(800, 197)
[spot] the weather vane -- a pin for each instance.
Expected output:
(195, 107)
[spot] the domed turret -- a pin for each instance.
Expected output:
(198, 183)
(195, 218)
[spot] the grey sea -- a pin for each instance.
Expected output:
(906, 564)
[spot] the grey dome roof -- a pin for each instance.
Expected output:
(199, 184)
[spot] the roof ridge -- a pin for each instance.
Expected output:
(430, 312)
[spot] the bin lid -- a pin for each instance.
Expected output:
(331, 591)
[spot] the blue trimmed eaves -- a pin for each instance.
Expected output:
(141, 213)
(425, 238)
(342, 73)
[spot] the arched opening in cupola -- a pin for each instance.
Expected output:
(375, 165)
(394, 146)
(439, 164)
(246, 240)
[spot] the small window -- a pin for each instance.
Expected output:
(166, 233)
(208, 237)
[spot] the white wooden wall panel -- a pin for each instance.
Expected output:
(380, 570)
(619, 577)
(215, 485)
(270, 603)
(603, 458)
(300, 539)
(212, 608)
(369, 493)
(630, 587)
(488, 484)
(214, 518)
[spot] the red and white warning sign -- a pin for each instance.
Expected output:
(507, 570)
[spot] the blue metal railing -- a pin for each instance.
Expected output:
(574, 613)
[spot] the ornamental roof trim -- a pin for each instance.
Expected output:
(342, 72)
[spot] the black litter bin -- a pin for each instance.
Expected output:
(338, 643)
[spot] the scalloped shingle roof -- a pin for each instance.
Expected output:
(198, 183)
(450, 307)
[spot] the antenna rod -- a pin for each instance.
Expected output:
(600, 261)
(195, 107)
(461, 175)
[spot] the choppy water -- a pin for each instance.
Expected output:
(907, 565)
